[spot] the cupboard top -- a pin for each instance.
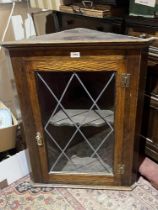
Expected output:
(78, 36)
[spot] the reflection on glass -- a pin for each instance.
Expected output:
(78, 119)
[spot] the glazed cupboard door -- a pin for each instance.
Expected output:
(78, 109)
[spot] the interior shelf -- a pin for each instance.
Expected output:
(82, 117)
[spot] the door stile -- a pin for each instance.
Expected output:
(119, 166)
(39, 135)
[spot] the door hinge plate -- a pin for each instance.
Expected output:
(39, 139)
(125, 80)
(120, 169)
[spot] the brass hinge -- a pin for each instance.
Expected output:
(39, 139)
(120, 169)
(125, 80)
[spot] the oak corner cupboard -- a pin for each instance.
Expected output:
(81, 95)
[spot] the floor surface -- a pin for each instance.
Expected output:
(24, 196)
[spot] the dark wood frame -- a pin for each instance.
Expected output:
(63, 21)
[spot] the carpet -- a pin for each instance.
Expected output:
(21, 195)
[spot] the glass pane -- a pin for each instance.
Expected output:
(78, 119)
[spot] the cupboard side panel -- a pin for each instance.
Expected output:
(27, 117)
(139, 144)
(132, 117)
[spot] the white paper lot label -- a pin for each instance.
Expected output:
(75, 54)
(149, 3)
